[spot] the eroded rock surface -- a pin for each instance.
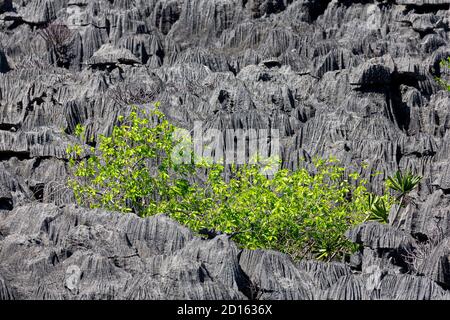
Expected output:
(67, 252)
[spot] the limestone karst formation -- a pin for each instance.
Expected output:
(354, 79)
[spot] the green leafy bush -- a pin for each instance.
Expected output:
(304, 213)
(296, 212)
(130, 170)
(444, 64)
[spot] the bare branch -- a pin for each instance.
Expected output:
(59, 38)
(125, 96)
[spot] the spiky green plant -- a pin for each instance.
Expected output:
(403, 184)
(378, 208)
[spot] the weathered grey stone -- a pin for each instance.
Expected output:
(407, 287)
(324, 274)
(117, 256)
(349, 79)
(5, 5)
(437, 265)
(274, 276)
(424, 2)
(108, 55)
(375, 72)
(4, 66)
(380, 236)
(5, 291)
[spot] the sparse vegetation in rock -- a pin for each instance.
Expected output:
(445, 65)
(59, 38)
(297, 212)
(354, 79)
(418, 256)
(379, 207)
(124, 95)
(403, 184)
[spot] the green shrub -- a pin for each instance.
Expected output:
(130, 170)
(442, 82)
(304, 213)
(295, 212)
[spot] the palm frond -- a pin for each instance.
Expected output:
(378, 211)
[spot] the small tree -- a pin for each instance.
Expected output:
(59, 38)
(131, 170)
